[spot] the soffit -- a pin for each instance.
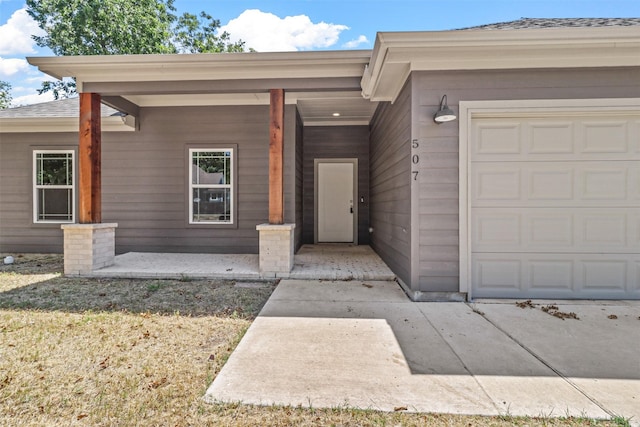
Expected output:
(315, 108)
(396, 55)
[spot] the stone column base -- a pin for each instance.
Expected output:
(276, 248)
(88, 247)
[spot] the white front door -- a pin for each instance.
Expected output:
(335, 202)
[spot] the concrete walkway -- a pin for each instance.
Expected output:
(325, 261)
(366, 345)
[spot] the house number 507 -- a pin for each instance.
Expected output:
(415, 159)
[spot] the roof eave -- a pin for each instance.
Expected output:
(63, 124)
(396, 55)
(252, 65)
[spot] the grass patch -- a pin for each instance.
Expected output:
(142, 352)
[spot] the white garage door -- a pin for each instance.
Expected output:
(554, 206)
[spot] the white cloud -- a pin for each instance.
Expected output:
(266, 32)
(357, 42)
(15, 35)
(33, 98)
(12, 66)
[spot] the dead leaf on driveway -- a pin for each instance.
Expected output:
(555, 311)
(525, 304)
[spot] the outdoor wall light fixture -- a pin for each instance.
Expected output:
(444, 114)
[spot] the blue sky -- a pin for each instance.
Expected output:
(308, 24)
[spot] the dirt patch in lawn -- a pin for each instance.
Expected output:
(34, 282)
(86, 352)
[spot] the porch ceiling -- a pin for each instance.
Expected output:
(315, 108)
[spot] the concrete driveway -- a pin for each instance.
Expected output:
(366, 345)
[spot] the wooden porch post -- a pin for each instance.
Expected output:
(89, 245)
(89, 160)
(276, 239)
(276, 154)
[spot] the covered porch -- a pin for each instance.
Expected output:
(215, 164)
(224, 117)
(311, 262)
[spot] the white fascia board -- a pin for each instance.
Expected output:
(495, 49)
(254, 65)
(64, 124)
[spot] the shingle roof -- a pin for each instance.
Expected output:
(531, 23)
(60, 108)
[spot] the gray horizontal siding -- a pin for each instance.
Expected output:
(390, 185)
(335, 142)
(17, 231)
(144, 181)
(438, 196)
(160, 174)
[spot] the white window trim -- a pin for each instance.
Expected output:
(231, 186)
(512, 108)
(36, 187)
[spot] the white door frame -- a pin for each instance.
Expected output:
(512, 108)
(354, 162)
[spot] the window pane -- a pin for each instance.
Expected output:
(211, 205)
(211, 167)
(54, 169)
(55, 204)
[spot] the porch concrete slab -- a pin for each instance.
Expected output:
(339, 262)
(327, 344)
(325, 262)
(175, 266)
(599, 354)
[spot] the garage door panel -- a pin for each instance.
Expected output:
(603, 275)
(553, 275)
(498, 137)
(634, 179)
(588, 230)
(604, 183)
(550, 229)
(602, 230)
(499, 183)
(497, 273)
(603, 137)
(634, 229)
(549, 184)
(553, 139)
(502, 230)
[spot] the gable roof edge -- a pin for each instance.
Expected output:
(395, 55)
